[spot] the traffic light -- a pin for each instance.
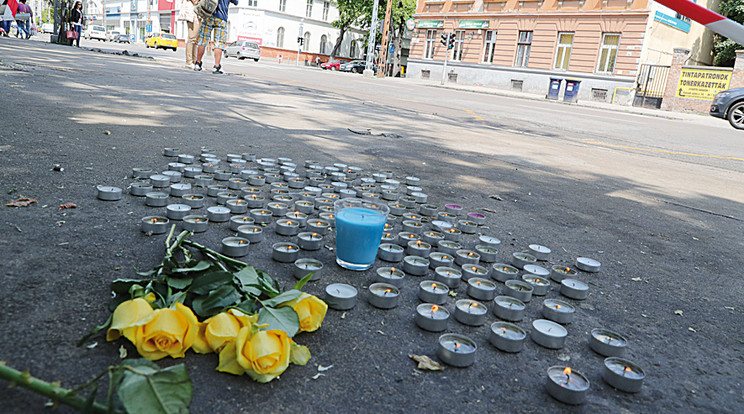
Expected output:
(451, 43)
(444, 38)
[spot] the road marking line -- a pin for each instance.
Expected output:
(692, 154)
(474, 116)
(288, 82)
(410, 100)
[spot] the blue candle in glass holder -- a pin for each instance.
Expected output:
(359, 227)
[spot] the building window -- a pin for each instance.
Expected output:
(353, 49)
(282, 5)
(309, 8)
(252, 3)
(459, 43)
(489, 46)
(280, 37)
(326, 8)
(323, 41)
(524, 44)
(563, 53)
(431, 38)
(608, 53)
(306, 45)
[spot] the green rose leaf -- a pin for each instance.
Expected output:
(247, 276)
(166, 391)
(210, 281)
(285, 319)
(179, 283)
(122, 286)
(215, 301)
(199, 267)
(302, 282)
(282, 298)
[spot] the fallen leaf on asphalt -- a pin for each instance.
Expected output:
(67, 205)
(343, 315)
(21, 202)
(107, 132)
(380, 332)
(691, 329)
(452, 293)
(678, 312)
(93, 345)
(122, 352)
(489, 210)
(497, 198)
(318, 375)
(321, 368)
(636, 279)
(424, 362)
(729, 307)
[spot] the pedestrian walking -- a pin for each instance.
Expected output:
(188, 15)
(9, 13)
(217, 24)
(76, 21)
(24, 24)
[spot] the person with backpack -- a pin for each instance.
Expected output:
(212, 22)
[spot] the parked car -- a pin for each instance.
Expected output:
(162, 40)
(113, 35)
(123, 38)
(729, 105)
(243, 50)
(355, 66)
(95, 32)
(330, 65)
(47, 28)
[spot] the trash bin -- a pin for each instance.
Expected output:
(554, 88)
(572, 90)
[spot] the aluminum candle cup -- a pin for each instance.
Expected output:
(256, 179)
(311, 193)
(141, 172)
(452, 234)
(574, 289)
(318, 226)
(303, 267)
(463, 257)
(215, 189)
(503, 272)
(448, 217)
(441, 225)
(193, 200)
(477, 218)
(250, 232)
(548, 334)
(558, 273)
(433, 292)
(254, 201)
(209, 167)
(421, 198)
(237, 206)
(453, 209)
(428, 210)
(390, 275)
(416, 266)
(537, 270)
(261, 216)
(519, 289)
(226, 195)
(159, 180)
(623, 374)
(481, 289)
(329, 217)
(390, 195)
(412, 180)
(192, 172)
(285, 252)
(383, 295)
(195, 223)
(390, 252)
(178, 190)
(310, 241)
(204, 180)
(107, 193)
(448, 246)
(170, 152)
(566, 385)
(489, 240)
(449, 276)
(156, 199)
(418, 248)
(470, 312)
(185, 158)
(558, 311)
(173, 176)
(508, 308)
(154, 224)
(304, 206)
(218, 214)
(175, 166)
(177, 211)
(222, 175)
(439, 259)
(431, 317)
(404, 238)
(235, 246)
(467, 226)
(370, 197)
(588, 265)
(487, 253)
(607, 343)
(412, 226)
(140, 189)
(248, 191)
(407, 202)
(540, 285)
(298, 217)
(520, 259)
(541, 253)
(277, 209)
(473, 270)
(237, 221)
(507, 337)
(236, 183)
(456, 350)
(287, 227)
(388, 238)
(397, 209)
(432, 237)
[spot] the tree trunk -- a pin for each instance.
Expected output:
(339, 40)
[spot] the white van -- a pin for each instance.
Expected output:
(95, 32)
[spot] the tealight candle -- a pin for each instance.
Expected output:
(205, 180)
(412, 226)
(222, 175)
(623, 374)
(390, 195)
(261, 216)
(175, 166)
(416, 266)
(441, 225)
(156, 199)
(237, 221)
(540, 252)
(235, 246)
(477, 218)
(283, 198)
(193, 200)
(177, 211)
(140, 189)
(214, 189)
(236, 168)
(489, 240)
(328, 215)
(411, 180)
(185, 158)
(507, 337)
(407, 202)
(473, 270)
(303, 267)
(503, 272)
(256, 179)
(277, 209)
(397, 209)
(418, 248)
(154, 224)
(390, 275)
(428, 210)
(558, 311)
(588, 265)
(159, 180)
(383, 295)
(540, 285)
(467, 226)
(463, 257)
(448, 217)
(388, 238)
(318, 226)
(191, 172)
(237, 206)
(108, 193)
(379, 177)
(236, 183)
(420, 197)
(432, 237)
(251, 232)
(405, 237)
(209, 167)
(487, 254)
(453, 209)
(548, 334)
(567, 385)
(449, 276)
(218, 214)
(226, 195)
(287, 227)
(470, 312)
(537, 270)
(431, 317)
(558, 273)
(390, 252)
(173, 176)
(452, 234)
(285, 252)
(449, 246)
(142, 172)
(520, 259)
(456, 350)
(310, 241)
(433, 292)
(607, 343)
(195, 223)
(298, 217)
(508, 308)
(519, 289)
(304, 206)
(253, 201)
(170, 152)
(178, 190)
(439, 259)
(481, 289)
(248, 156)
(574, 289)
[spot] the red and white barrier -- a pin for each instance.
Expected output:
(710, 19)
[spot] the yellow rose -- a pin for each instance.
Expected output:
(310, 310)
(127, 317)
(263, 355)
(217, 331)
(170, 332)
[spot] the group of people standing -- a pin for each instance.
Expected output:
(24, 25)
(201, 31)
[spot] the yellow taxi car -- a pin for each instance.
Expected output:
(162, 40)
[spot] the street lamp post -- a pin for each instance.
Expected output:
(299, 42)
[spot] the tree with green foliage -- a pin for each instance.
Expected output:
(402, 10)
(725, 49)
(350, 13)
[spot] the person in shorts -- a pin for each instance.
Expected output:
(217, 24)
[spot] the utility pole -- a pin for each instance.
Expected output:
(371, 41)
(103, 10)
(300, 41)
(382, 62)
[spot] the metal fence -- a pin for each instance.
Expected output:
(650, 85)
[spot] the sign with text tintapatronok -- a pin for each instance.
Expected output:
(695, 83)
